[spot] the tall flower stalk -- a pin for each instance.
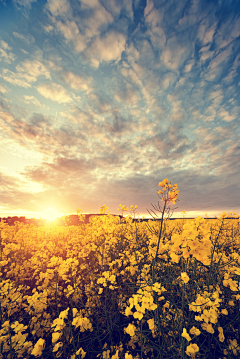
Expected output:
(168, 194)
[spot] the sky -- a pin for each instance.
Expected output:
(100, 100)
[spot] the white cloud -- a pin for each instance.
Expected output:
(216, 96)
(217, 64)
(15, 78)
(117, 7)
(3, 89)
(5, 45)
(90, 3)
(107, 48)
(100, 17)
(172, 57)
(228, 31)
(33, 68)
(48, 28)
(33, 100)
(206, 33)
(168, 79)
(77, 82)
(225, 115)
(6, 116)
(70, 31)
(149, 7)
(59, 7)
(54, 92)
(24, 3)
(26, 38)
(157, 37)
(24, 51)
(129, 97)
(27, 72)
(189, 65)
(7, 57)
(206, 55)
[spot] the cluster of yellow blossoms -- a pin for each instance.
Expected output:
(169, 192)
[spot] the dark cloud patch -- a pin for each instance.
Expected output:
(60, 172)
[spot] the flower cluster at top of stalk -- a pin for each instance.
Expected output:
(169, 192)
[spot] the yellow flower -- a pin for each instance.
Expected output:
(138, 315)
(74, 312)
(128, 311)
(18, 327)
(208, 327)
(64, 314)
(151, 323)
(192, 349)
(224, 311)
(128, 356)
(175, 258)
(81, 352)
(112, 278)
(130, 329)
(115, 356)
(234, 346)
(185, 277)
(186, 335)
(221, 335)
(56, 336)
(38, 347)
(106, 354)
(194, 331)
(57, 346)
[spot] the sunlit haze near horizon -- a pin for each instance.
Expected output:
(100, 100)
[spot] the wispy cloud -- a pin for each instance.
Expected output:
(54, 92)
(33, 100)
(25, 38)
(5, 54)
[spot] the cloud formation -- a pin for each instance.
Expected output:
(104, 99)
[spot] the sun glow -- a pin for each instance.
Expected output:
(51, 214)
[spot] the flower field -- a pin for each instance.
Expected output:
(118, 288)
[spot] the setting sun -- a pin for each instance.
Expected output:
(50, 213)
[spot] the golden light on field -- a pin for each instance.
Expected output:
(50, 213)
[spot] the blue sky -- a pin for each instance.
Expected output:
(100, 100)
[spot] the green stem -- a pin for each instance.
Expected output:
(159, 237)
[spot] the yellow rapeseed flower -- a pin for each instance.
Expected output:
(38, 348)
(56, 336)
(221, 335)
(130, 329)
(234, 346)
(185, 277)
(81, 352)
(186, 335)
(194, 331)
(151, 323)
(57, 346)
(191, 350)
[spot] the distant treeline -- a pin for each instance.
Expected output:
(70, 220)
(73, 219)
